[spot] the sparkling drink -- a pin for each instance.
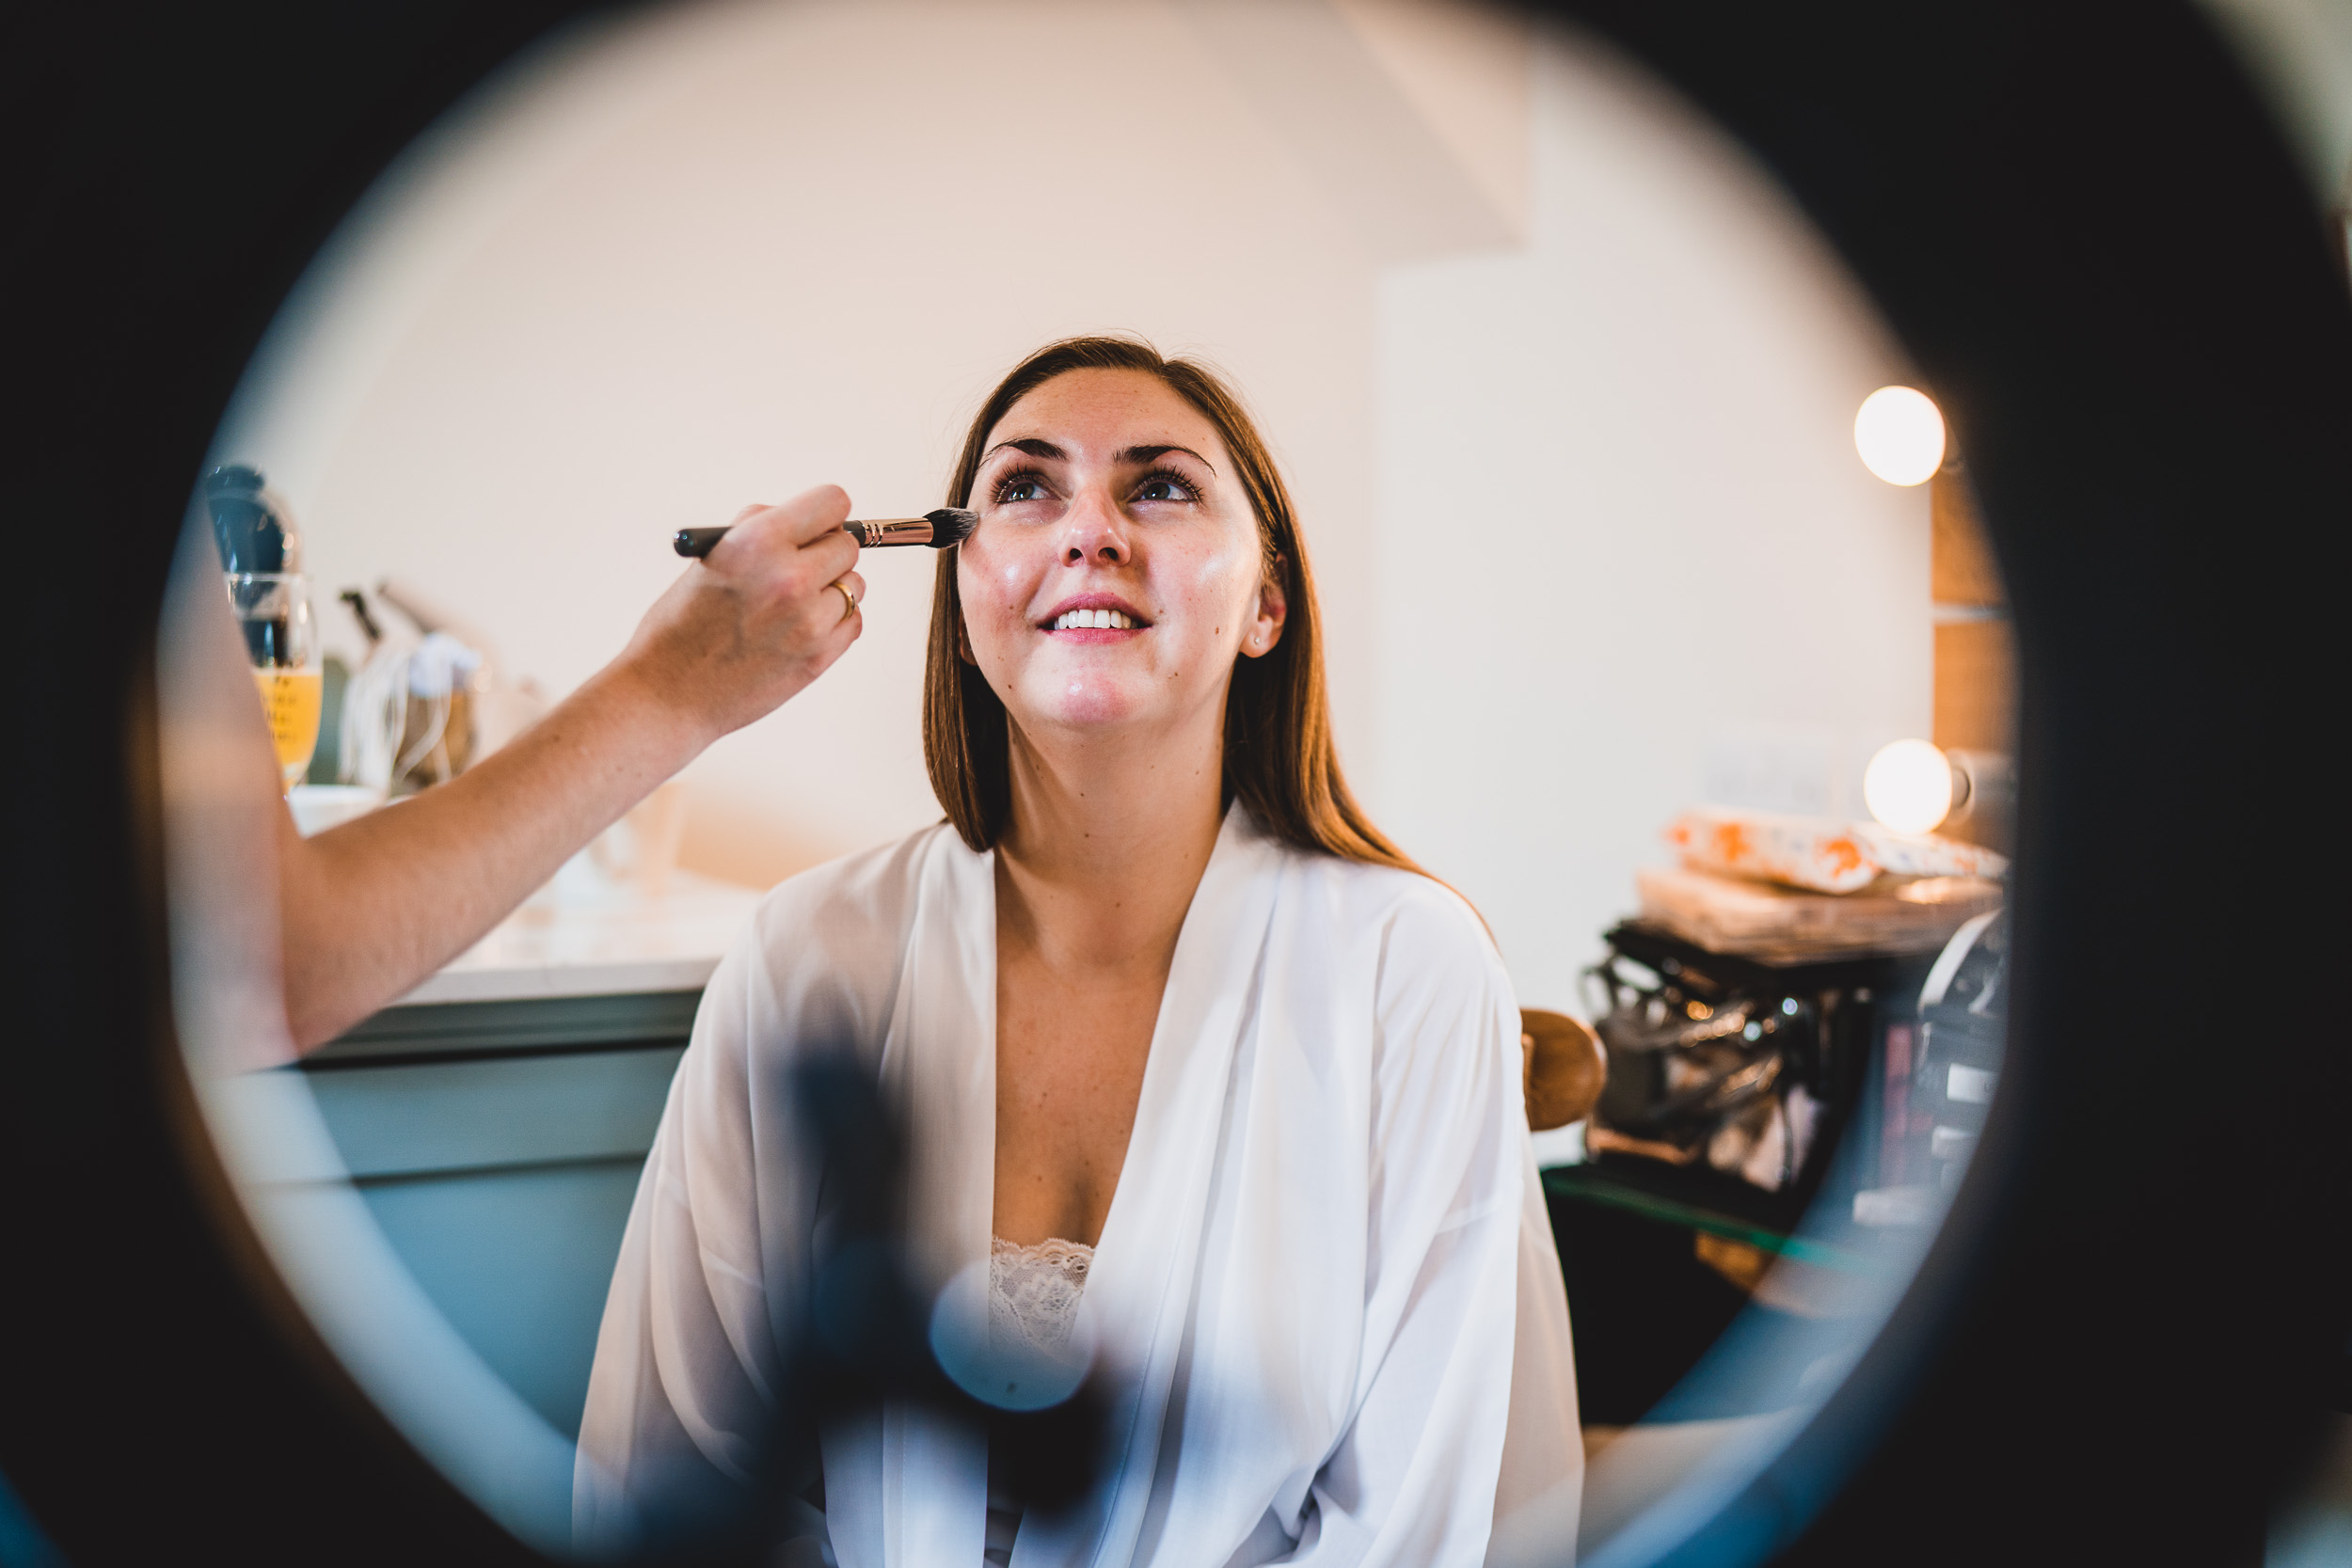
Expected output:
(291, 699)
(272, 609)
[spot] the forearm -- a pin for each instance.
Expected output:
(375, 905)
(373, 908)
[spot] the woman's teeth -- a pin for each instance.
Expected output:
(1100, 620)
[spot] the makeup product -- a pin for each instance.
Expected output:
(950, 525)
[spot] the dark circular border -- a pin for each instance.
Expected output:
(2080, 221)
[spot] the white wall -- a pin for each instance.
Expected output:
(1625, 555)
(1577, 477)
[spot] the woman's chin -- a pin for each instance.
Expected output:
(1096, 707)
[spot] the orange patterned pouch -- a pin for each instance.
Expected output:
(1819, 855)
(1827, 857)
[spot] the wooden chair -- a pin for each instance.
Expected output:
(1564, 1068)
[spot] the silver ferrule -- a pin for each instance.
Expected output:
(874, 533)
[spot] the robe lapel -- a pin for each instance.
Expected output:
(1142, 1275)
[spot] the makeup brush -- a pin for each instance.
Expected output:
(950, 525)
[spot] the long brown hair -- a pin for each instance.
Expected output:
(1280, 760)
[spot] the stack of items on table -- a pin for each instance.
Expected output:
(1737, 1010)
(1794, 889)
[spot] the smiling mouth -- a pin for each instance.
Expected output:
(1093, 620)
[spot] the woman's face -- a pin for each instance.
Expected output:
(1115, 571)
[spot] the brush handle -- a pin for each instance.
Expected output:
(894, 530)
(873, 534)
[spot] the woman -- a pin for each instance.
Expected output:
(1180, 1037)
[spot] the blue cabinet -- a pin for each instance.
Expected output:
(499, 1145)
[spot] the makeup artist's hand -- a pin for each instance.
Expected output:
(753, 621)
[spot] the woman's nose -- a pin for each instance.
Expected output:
(1094, 529)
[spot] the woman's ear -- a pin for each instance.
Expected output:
(1273, 609)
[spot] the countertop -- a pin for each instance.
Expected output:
(586, 935)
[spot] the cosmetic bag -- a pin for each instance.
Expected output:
(1701, 1073)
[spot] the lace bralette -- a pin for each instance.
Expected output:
(1032, 1296)
(1033, 1290)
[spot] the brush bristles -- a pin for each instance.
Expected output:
(951, 524)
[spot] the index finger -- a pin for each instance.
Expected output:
(807, 516)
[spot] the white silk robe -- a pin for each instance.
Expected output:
(1327, 1278)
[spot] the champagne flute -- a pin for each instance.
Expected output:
(281, 643)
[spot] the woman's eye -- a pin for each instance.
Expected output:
(1164, 490)
(1020, 490)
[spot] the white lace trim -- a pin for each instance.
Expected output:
(1033, 1291)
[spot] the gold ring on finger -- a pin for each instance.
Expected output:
(848, 600)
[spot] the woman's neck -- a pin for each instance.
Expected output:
(1106, 844)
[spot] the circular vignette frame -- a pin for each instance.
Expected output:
(2079, 220)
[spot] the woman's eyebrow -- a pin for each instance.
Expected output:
(1134, 457)
(1152, 454)
(1030, 444)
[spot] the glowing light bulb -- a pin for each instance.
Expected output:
(1908, 786)
(1899, 433)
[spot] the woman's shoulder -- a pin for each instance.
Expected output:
(854, 898)
(1439, 999)
(823, 949)
(1392, 902)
